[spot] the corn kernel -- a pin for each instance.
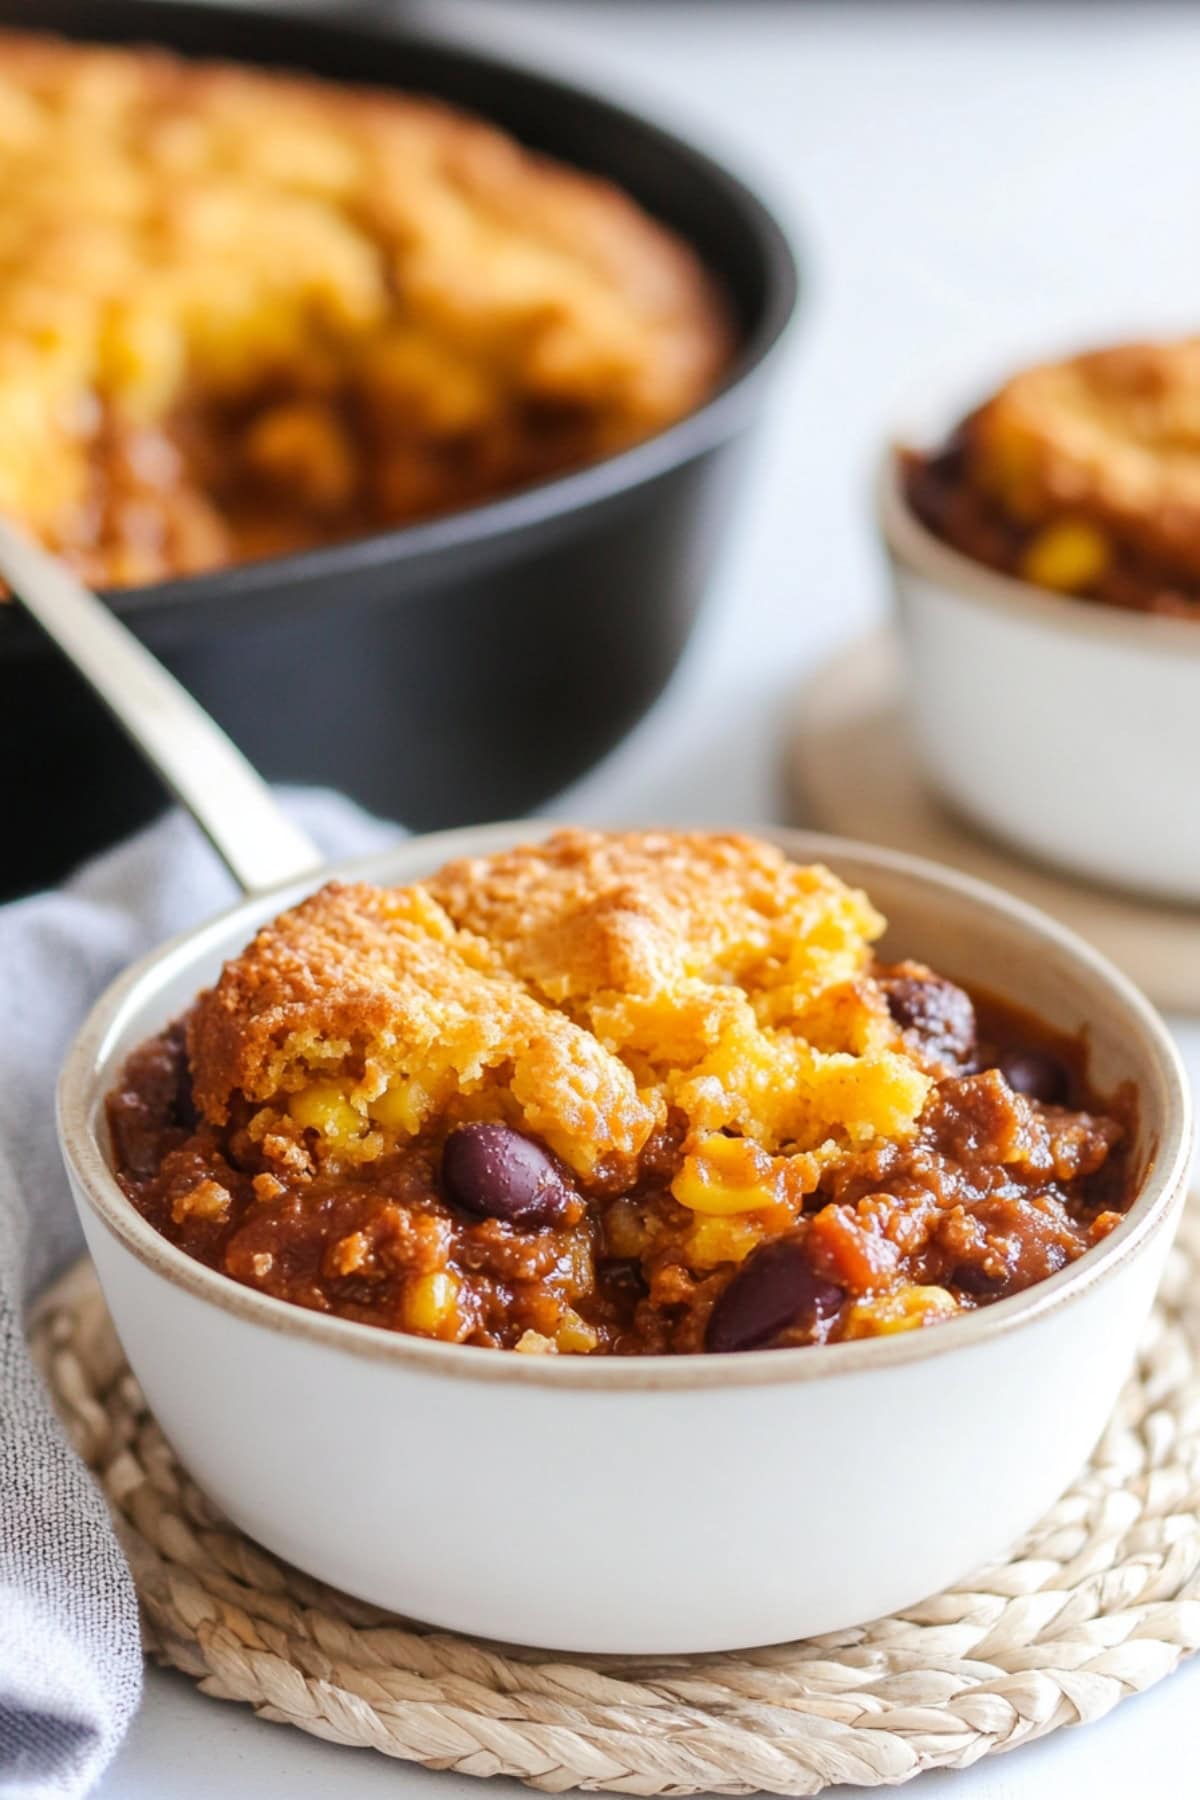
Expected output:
(1067, 556)
(726, 1175)
(324, 1108)
(401, 1108)
(712, 1241)
(575, 1336)
(905, 1309)
(431, 1304)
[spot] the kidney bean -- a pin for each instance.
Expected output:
(938, 1014)
(973, 1278)
(1036, 1074)
(774, 1288)
(497, 1173)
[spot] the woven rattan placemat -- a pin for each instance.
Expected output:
(1100, 1600)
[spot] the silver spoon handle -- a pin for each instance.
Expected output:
(204, 769)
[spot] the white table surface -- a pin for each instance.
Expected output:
(968, 181)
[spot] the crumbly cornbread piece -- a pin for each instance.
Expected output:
(1101, 449)
(363, 1013)
(244, 312)
(582, 989)
(724, 974)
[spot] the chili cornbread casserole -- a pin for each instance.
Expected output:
(625, 1094)
(243, 313)
(1082, 476)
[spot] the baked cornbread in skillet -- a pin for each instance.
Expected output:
(623, 1093)
(244, 313)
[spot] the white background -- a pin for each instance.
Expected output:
(965, 180)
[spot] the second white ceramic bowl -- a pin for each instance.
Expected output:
(656, 1504)
(1067, 728)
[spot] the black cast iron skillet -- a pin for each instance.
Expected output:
(458, 670)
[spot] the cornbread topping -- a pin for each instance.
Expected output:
(243, 313)
(1081, 476)
(614, 1093)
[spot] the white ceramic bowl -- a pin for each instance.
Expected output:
(1067, 728)
(656, 1504)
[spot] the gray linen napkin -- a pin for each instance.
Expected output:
(70, 1662)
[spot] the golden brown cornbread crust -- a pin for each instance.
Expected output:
(1111, 436)
(378, 982)
(243, 312)
(583, 989)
